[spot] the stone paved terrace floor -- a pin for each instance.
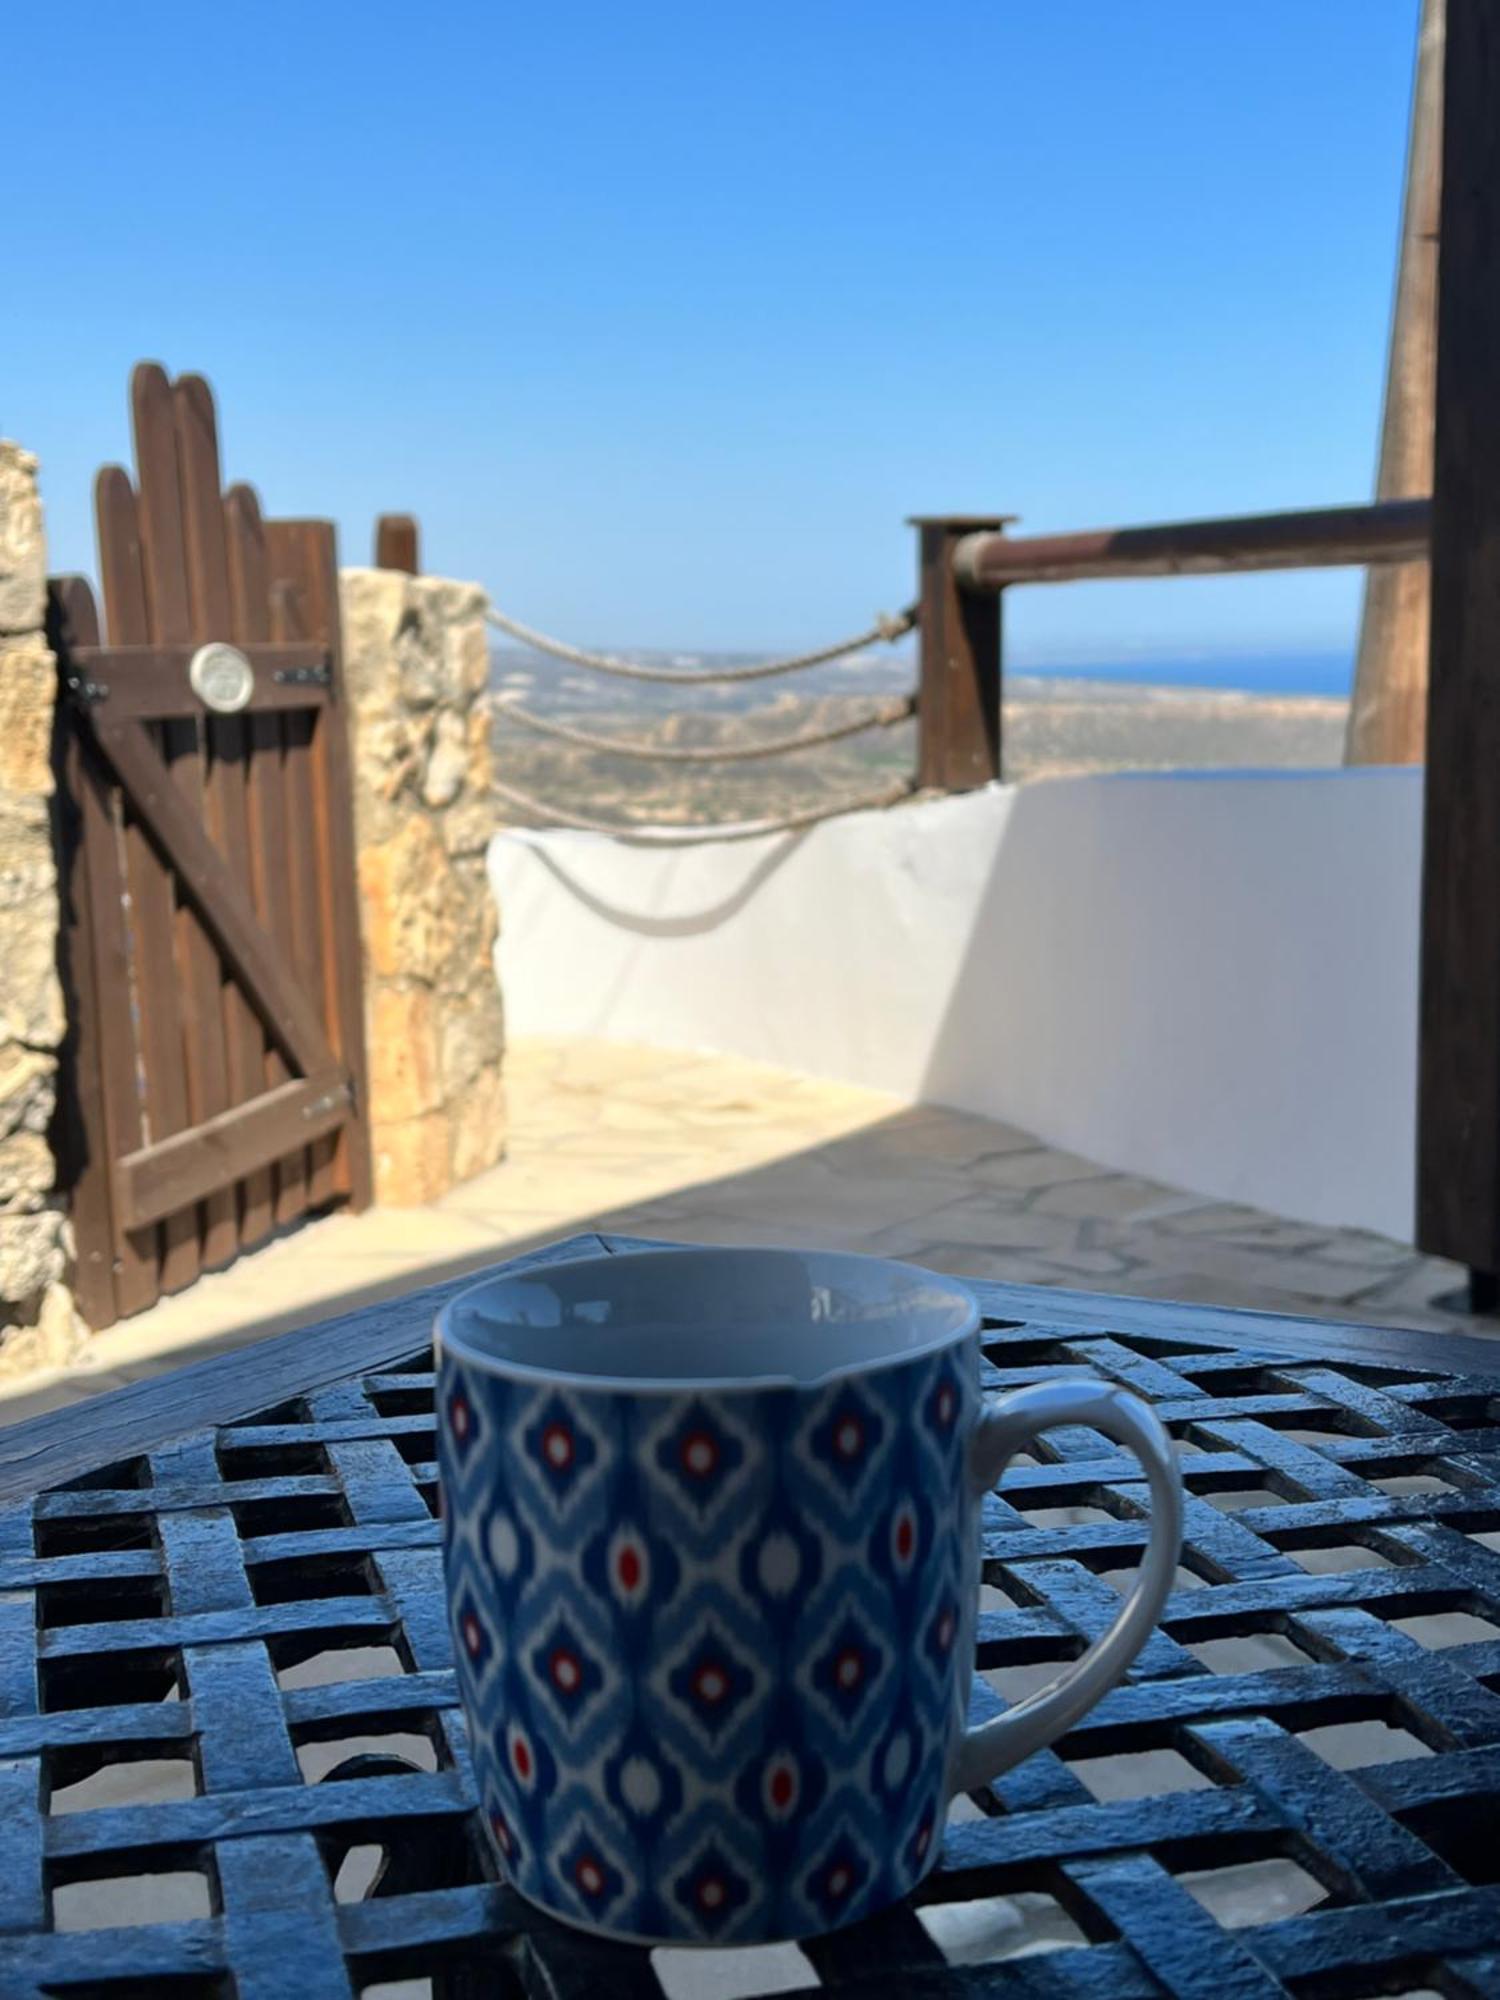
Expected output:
(707, 1148)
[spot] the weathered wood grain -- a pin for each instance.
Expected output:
(1458, 1084)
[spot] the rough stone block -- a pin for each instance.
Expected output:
(32, 1254)
(403, 1053)
(419, 653)
(28, 1088)
(478, 1125)
(480, 734)
(28, 693)
(391, 755)
(417, 664)
(412, 1160)
(409, 927)
(468, 828)
(23, 546)
(372, 605)
(31, 1001)
(393, 751)
(53, 1338)
(25, 839)
(447, 762)
(472, 1037)
(25, 823)
(471, 644)
(454, 602)
(473, 927)
(26, 1171)
(438, 657)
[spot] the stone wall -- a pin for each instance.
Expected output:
(37, 1322)
(416, 668)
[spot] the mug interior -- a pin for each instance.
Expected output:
(706, 1318)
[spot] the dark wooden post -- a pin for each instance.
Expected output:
(1458, 1098)
(958, 721)
(1388, 713)
(396, 543)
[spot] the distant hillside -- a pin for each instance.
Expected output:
(1053, 727)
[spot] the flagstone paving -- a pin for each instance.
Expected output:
(710, 1149)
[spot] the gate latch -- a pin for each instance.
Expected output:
(303, 677)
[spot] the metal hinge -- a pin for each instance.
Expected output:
(303, 677)
(88, 693)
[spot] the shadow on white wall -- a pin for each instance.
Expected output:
(1209, 979)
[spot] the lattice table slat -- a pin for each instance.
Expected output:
(1177, 1941)
(240, 1607)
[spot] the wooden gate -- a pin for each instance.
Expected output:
(214, 1083)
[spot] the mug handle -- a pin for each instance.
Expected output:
(1042, 1717)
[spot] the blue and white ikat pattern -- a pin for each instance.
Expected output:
(714, 1648)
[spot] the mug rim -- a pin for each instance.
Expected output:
(448, 1344)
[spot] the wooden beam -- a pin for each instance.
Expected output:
(1458, 1102)
(159, 1179)
(213, 891)
(152, 681)
(1319, 538)
(1388, 713)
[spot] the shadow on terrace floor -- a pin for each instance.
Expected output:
(711, 1149)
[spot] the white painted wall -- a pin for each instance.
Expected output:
(1209, 979)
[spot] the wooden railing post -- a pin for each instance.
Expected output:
(396, 543)
(1458, 1077)
(1388, 710)
(958, 721)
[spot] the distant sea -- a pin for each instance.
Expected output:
(1328, 674)
(544, 682)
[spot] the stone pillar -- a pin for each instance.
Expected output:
(416, 663)
(38, 1326)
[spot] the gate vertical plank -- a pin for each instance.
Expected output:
(137, 1252)
(250, 594)
(164, 568)
(224, 782)
(104, 845)
(84, 1148)
(151, 939)
(291, 580)
(333, 793)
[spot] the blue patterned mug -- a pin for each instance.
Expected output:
(711, 1535)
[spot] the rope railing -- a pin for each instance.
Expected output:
(638, 833)
(966, 565)
(886, 716)
(885, 630)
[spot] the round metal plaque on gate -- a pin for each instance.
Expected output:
(222, 678)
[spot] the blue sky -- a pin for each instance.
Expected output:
(663, 318)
